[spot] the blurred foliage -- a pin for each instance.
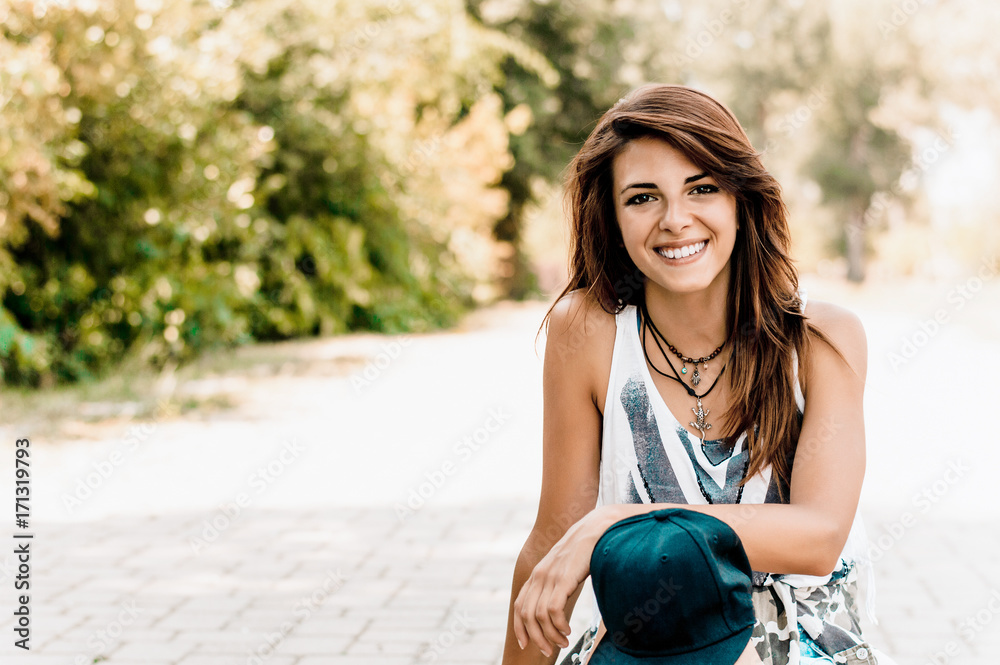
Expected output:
(835, 95)
(561, 100)
(182, 174)
(176, 175)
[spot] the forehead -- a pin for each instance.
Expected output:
(650, 159)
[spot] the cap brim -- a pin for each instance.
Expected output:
(723, 652)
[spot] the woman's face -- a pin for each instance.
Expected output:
(678, 225)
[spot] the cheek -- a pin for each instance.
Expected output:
(633, 239)
(630, 227)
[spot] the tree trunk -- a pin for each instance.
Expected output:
(514, 276)
(856, 244)
(858, 158)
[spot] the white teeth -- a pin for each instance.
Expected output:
(681, 252)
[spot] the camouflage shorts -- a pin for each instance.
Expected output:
(795, 625)
(814, 624)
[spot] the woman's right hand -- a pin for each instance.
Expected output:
(578, 349)
(540, 607)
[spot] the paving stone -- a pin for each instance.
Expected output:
(368, 659)
(234, 659)
(405, 580)
(220, 603)
(301, 645)
(381, 649)
(181, 620)
(40, 659)
(397, 610)
(161, 650)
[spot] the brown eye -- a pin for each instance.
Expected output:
(638, 199)
(705, 189)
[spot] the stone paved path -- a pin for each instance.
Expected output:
(271, 532)
(305, 587)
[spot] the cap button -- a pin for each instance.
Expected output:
(660, 517)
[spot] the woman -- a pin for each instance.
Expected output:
(683, 300)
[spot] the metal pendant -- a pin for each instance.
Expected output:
(696, 378)
(699, 420)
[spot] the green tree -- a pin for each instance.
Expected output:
(186, 175)
(808, 83)
(861, 152)
(587, 66)
(137, 132)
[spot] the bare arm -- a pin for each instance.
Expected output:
(513, 654)
(571, 455)
(808, 534)
(805, 536)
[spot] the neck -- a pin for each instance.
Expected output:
(695, 323)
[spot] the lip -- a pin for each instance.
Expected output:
(691, 258)
(680, 243)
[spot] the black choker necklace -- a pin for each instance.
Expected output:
(696, 378)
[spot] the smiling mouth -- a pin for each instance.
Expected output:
(681, 252)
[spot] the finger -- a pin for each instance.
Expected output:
(558, 617)
(525, 625)
(549, 612)
(530, 620)
(566, 589)
(519, 630)
(557, 597)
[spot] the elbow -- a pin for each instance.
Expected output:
(822, 564)
(825, 550)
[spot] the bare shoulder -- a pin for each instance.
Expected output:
(842, 327)
(578, 316)
(580, 339)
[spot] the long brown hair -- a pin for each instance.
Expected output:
(764, 320)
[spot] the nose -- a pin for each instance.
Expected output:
(676, 218)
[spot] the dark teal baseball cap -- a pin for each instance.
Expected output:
(674, 588)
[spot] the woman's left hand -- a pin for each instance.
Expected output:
(540, 608)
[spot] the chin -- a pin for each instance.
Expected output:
(689, 284)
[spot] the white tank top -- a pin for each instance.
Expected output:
(647, 456)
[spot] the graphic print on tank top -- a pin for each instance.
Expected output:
(654, 466)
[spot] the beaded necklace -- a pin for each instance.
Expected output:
(699, 412)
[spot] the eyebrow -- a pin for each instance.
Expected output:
(650, 185)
